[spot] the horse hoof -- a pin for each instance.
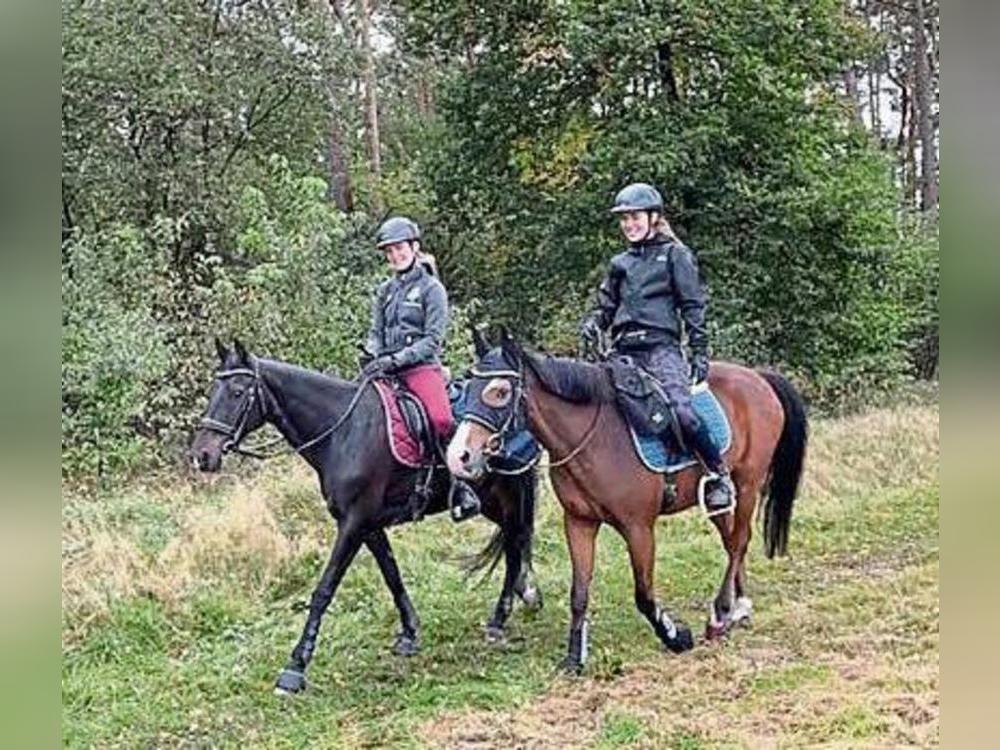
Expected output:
(571, 666)
(532, 598)
(681, 642)
(496, 634)
(290, 682)
(715, 630)
(406, 645)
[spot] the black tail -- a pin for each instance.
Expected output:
(786, 465)
(526, 488)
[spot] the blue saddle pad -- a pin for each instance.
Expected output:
(520, 451)
(666, 459)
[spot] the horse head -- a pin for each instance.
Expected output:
(234, 407)
(494, 406)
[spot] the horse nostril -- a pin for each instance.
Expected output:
(464, 458)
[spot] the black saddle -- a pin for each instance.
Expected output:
(643, 403)
(415, 417)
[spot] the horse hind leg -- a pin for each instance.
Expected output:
(408, 639)
(642, 546)
(496, 627)
(730, 606)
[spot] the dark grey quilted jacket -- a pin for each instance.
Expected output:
(409, 318)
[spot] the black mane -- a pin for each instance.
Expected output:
(287, 368)
(570, 379)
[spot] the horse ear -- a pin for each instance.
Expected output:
(241, 351)
(221, 350)
(510, 348)
(479, 342)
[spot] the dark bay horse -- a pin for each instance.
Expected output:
(570, 408)
(338, 426)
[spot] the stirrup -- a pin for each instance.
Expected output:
(714, 477)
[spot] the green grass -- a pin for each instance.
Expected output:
(843, 648)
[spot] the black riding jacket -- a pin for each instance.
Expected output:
(647, 293)
(409, 318)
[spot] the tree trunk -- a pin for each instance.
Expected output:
(925, 116)
(853, 93)
(340, 191)
(371, 102)
(665, 67)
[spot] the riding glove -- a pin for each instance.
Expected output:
(699, 368)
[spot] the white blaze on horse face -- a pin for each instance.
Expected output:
(465, 451)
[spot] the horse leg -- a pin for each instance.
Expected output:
(743, 606)
(580, 535)
(292, 678)
(641, 548)
(512, 561)
(408, 639)
(736, 540)
(524, 586)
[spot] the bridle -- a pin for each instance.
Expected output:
(495, 442)
(236, 432)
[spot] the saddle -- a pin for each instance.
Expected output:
(642, 401)
(649, 413)
(411, 439)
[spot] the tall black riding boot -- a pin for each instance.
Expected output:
(719, 492)
(463, 502)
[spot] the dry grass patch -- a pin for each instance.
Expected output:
(235, 539)
(895, 447)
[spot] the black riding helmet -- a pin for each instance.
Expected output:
(396, 229)
(639, 196)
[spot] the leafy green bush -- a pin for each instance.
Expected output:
(138, 326)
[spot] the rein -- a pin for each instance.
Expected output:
(235, 432)
(583, 442)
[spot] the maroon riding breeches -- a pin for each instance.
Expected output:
(428, 384)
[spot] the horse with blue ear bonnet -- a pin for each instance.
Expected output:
(570, 407)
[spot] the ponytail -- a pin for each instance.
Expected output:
(662, 226)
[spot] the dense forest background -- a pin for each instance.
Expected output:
(225, 163)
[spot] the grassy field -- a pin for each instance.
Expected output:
(178, 612)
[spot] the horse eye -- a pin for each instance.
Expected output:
(497, 393)
(237, 392)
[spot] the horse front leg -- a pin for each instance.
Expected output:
(408, 639)
(292, 678)
(642, 548)
(580, 535)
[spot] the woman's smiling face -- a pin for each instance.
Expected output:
(399, 255)
(634, 225)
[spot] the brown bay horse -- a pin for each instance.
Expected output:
(570, 408)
